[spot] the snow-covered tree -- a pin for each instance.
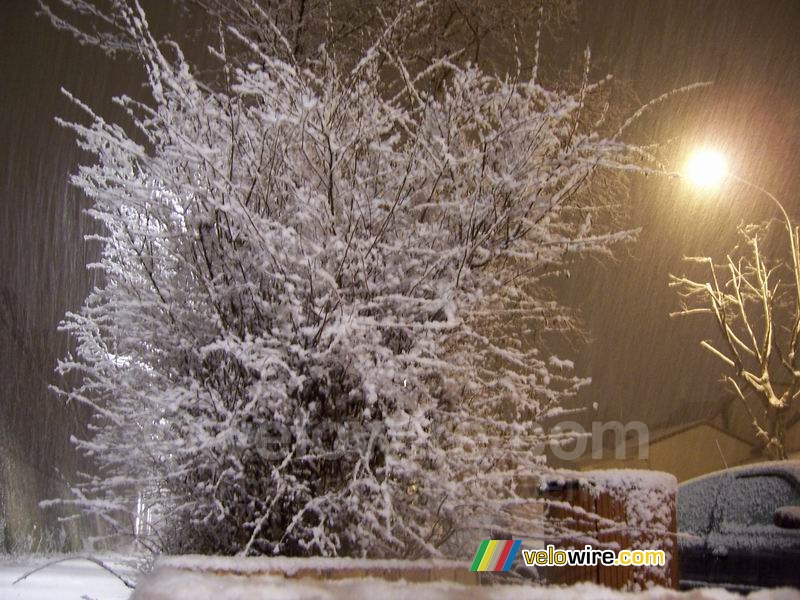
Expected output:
(753, 298)
(493, 33)
(324, 292)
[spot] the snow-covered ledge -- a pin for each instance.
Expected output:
(174, 576)
(216, 578)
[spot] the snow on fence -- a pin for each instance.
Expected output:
(615, 509)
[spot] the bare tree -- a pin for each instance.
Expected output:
(754, 300)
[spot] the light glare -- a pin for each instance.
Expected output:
(706, 168)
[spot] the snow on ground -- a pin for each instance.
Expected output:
(175, 585)
(82, 580)
(75, 579)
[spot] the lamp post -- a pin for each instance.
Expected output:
(708, 169)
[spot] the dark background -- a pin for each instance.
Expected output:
(644, 366)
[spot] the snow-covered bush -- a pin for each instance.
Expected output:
(319, 324)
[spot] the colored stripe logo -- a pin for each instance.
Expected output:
(495, 555)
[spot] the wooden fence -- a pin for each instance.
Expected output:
(579, 511)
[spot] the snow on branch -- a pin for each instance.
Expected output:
(753, 299)
(315, 331)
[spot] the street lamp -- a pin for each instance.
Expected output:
(708, 169)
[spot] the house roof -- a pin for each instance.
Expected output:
(725, 415)
(664, 433)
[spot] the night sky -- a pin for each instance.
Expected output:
(644, 365)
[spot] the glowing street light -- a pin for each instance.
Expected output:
(706, 169)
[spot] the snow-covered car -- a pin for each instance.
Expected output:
(740, 528)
